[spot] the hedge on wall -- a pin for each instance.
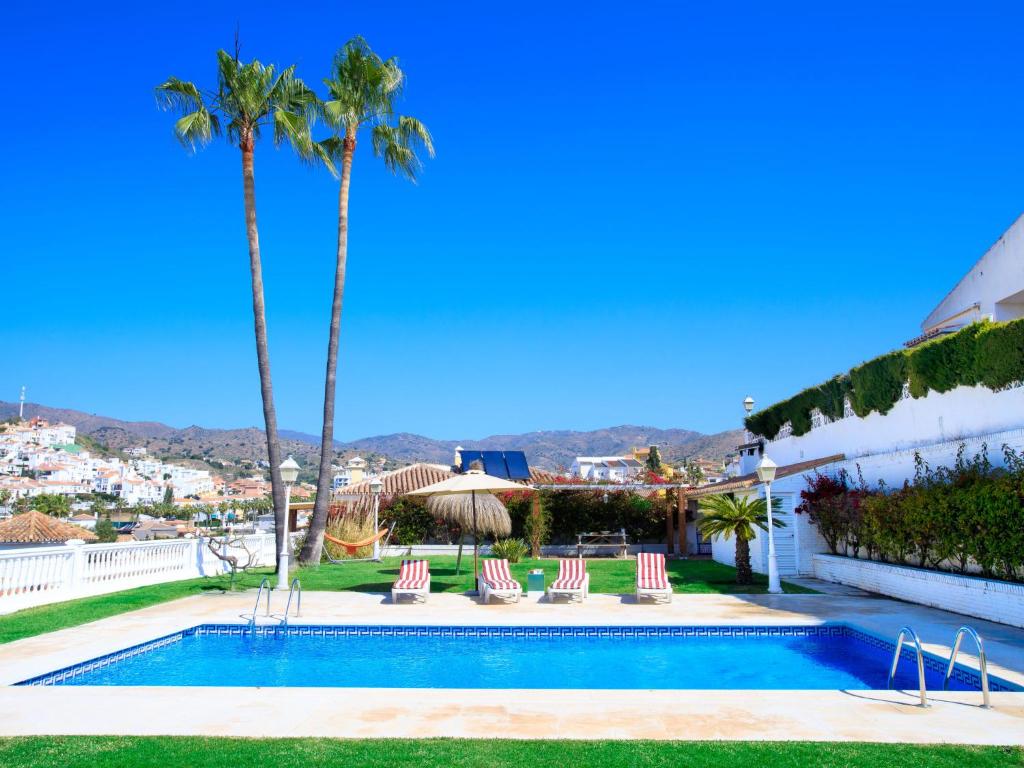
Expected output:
(990, 354)
(878, 384)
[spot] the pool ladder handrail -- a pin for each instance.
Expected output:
(920, 661)
(982, 662)
(264, 585)
(294, 589)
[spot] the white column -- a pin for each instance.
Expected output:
(282, 557)
(774, 585)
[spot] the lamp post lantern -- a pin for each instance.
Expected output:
(766, 469)
(748, 404)
(289, 474)
(376, 486)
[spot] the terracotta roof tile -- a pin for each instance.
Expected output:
(36, 528)
(403, 480)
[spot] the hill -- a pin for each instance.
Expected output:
(225, 448)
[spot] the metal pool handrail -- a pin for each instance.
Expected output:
(296, 588)
(265, 584)
(920, 661)
(982, 662)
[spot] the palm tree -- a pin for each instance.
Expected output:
(362, 92)
(726, 515)
(249, 98)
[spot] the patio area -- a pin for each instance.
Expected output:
(565, 714)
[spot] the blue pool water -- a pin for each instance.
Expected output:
(822, 657)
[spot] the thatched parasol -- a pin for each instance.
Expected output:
(471, 484)
(491, 515)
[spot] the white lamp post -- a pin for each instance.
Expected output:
(766, 473)
(289, 474)
(376, 486)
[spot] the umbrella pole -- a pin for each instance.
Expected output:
(458, 559)
(475, 546)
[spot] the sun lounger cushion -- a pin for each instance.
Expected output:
(497, 575)
(571, 575)
(413, 574)
(650, 571)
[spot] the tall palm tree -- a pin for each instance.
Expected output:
(726, 515)
(362, 91)
(249, 98)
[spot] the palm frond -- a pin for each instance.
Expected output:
(197, 125)
(727, 515)
(179, 95)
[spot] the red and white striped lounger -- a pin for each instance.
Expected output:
(573, 580)
(413, 581)
(651, 580)
(497, 580)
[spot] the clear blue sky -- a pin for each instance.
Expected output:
(638, 213)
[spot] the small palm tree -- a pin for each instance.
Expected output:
(249, 98)
(362, 91)
(727, 515)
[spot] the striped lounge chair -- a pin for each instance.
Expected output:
(413, 581)
(497, 580)
(651, 580)
(573, 581)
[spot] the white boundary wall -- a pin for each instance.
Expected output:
(962, 413)
(999, 601)
(41, 575)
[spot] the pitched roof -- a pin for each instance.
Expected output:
(402, 481)
(36, 528)
(750, 480)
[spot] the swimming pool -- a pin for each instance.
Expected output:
(829, 656)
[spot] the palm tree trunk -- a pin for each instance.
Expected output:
(313, 547)
(262, 350)
(743, 573)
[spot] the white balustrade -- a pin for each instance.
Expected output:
(41, 575)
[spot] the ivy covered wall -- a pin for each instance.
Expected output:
(987, 354)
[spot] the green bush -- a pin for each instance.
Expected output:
(105, 531)
(512, 550)
(878, 384)
(991, 354)
(944, 364)
(946, 518)
(574, 512)
(999, 359)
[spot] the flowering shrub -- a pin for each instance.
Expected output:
(948, 518)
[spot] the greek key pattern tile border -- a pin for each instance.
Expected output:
(966, 676)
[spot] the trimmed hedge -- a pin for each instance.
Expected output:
(990, 354)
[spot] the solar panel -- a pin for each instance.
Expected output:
(494, 464)
(518, 469)
(468, 457)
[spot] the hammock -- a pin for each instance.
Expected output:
(354, 546)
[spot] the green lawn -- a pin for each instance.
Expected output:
(166, 752)
(614, 576)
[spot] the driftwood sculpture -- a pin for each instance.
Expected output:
(220, 549)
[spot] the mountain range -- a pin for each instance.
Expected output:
(548, 449)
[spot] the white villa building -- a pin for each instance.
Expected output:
(883, 447)
(353, 472)
(612, 469)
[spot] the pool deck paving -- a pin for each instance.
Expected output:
(886, 716)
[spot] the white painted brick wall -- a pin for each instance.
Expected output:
(999, 601)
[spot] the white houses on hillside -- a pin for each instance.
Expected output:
(613, 469)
